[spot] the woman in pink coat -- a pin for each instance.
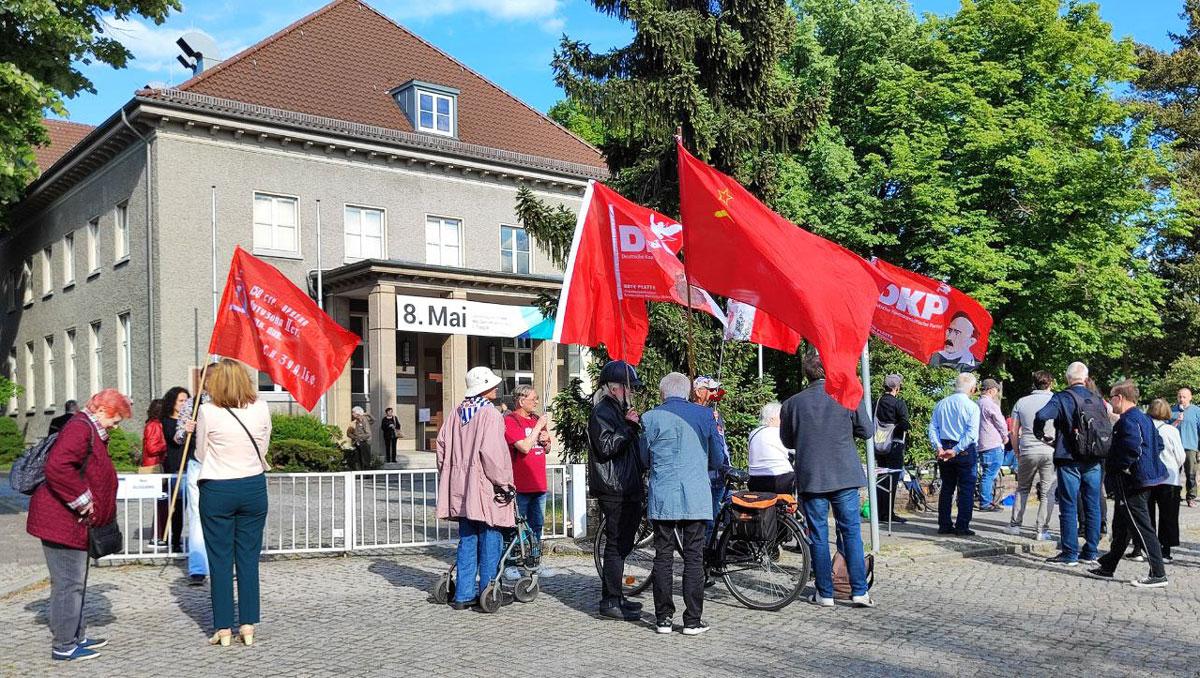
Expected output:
(475, 484)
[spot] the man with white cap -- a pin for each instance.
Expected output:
(706, 391)
(359, 433)
(475, 485)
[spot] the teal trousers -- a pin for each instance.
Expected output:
(232, 515)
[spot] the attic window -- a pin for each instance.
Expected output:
(431, 108)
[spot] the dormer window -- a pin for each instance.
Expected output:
(432, 109)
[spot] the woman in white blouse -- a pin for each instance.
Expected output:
(232, 433)
(1166, 497)
(770, 468)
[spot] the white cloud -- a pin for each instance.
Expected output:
(153, 47)
(498, 9)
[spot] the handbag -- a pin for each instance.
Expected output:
(106, 539)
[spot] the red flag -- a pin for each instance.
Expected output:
(737, 247)
(597, 283)
(930, 320)
(746, 323)
(270, 324)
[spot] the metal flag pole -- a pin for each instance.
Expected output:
(320, 299)
(872, 495)
(687, 277)
(214, 252)
(760, 361)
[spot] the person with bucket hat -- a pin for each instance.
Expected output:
(707, 392)
(615, 468)
(475, 484)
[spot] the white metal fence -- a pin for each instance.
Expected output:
(340, 512)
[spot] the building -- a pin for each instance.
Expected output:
(343, 142)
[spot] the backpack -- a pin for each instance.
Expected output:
(1091, 429)
(29, 470)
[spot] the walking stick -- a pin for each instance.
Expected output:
(187, 441)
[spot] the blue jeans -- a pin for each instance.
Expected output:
(479, 546)
(197, 557)
(1079, 488)
(958, 475)
(846, 508)
(532, 507)
(989, 466)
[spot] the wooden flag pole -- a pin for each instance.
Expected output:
(187, 441)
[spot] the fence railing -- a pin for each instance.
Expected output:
(339, 512)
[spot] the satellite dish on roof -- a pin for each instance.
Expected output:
(200, 52)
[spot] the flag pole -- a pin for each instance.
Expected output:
(213, 217)
(620, 294)
(687, 277)
(872, 495)
(187, 441)
(760, 363)
(320, 297)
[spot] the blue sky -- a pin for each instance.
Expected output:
(509, 41)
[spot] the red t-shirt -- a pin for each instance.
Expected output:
(529, 469)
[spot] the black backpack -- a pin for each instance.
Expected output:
(1091, 429)
(29, 470)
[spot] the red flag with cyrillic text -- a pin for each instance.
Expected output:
(737, 247)
(271, 325)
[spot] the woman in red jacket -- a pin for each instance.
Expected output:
(80, 490)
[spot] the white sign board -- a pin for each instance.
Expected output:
(139, 487)
(454, 316)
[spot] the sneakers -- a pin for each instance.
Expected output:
(1167, 560)
(93, 643)
(862, 601)
(1089, 561)
(1100, 573)
(1014, 530)
(695, 629)
(1045, 535)
(1136, 557)
(819, 601)
(664, 626)
(196, 580)
(1062, 559)
(77, 654)
(1150, 583)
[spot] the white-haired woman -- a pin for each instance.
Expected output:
(770, 461)
(359, 433)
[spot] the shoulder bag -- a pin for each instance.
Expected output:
(106, 539)
(251, 436)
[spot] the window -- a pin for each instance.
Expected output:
(265, 385)
(121, 231)
(47, 273)
(516, 362)
(69, 369)
(360, 366)
(442, 241)
(435, 113)
(27, 281)
(95, 376)
(514, 250)
(48, 372)
(14, 288)
(124, 355)
(12, 375)
(275, 229)
(364, 233)
(68, 260)
(93, 246)
(30, 391)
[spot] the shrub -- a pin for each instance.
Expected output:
(125, 449)
(294, 456)
(12, 441)
(304, 427)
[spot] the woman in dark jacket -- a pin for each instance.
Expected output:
(172, 420)
(80, 490)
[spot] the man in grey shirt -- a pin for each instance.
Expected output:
(1035, 459)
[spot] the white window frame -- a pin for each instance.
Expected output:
(69, 370)
(30, 389)
(27, 281)
(47, 272)
(68, 260)
(48, 372)
(434, 98)
(121, 232)
(93, 246)
(269, 249)
(13, 404)
(514, 251)
(124, 354)
(348, 237)
(440, 245)
(95, 356)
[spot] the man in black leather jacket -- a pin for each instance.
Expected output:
(615, 467)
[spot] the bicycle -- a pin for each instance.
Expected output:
(918, 499)
(762, 575)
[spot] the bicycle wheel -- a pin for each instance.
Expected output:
(766, 575)
(639, 563)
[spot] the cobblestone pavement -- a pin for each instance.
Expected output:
(1008, 615)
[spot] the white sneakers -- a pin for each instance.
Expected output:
(862, 601)
(819, 601)
(1045, 535)
(1014, 530)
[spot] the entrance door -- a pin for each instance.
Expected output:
(429, 409)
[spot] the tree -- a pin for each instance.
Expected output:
(40, 44)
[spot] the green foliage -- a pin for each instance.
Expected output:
(570, 410)
(293, 456)
(12, 441)
(1184, 372)
(9, 389)
(304, 427)
(42, 46)
(125, 449)
(572, 116)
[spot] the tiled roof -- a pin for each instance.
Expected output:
(341, 62)
(63, 136)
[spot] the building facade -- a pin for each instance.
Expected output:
(404, 203)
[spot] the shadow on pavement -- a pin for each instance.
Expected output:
(405, 576)
(191, 600)
(97, 610)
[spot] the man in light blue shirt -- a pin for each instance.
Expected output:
(954, 433)
(1186, 418)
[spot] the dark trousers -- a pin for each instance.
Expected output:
(691, 537)
(389, 448)
(958, 475)
(621, 520)
(232, 515)
(1164, 515)
(1189, 472)
(1131, 522)
(784, 483)
(68, 569)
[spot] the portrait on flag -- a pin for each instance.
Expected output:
(930, 320)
